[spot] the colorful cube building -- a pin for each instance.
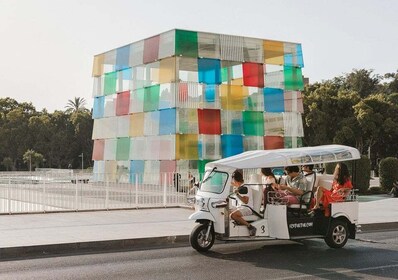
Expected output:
(180, 99)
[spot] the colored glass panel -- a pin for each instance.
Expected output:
(98, 65)
(187, 146)
(122, 57)
(273, 142)
(255, 100)
(137, 167)
(98, 149)
(253, 123)
(137, 124)
(293, 142)
(201, 167)
(253, 74)
(293, 78)
(151, 49)
(167, 70)
(151, 98)
(110, 83)
(168, 166)
(186, 43)
(232, 122)
(251, 143)
(273, 124)
(137, 100)
(209, 71)
(273, 100)
(123, 148)
(98, 107)
(187, 121)
(167, 124)
(210, 93)
(231, 145)
(232, 97)
(273, 52)
(209, 121)
(122, 103)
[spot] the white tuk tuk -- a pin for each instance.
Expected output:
(279, 221)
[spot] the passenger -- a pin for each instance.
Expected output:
(341, 184)
(295, 186)
(244, 198)
(268, 180)
(310, 175)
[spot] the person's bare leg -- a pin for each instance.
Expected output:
(319, 194)
(237, 216)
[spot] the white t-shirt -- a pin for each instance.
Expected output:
(268, 180)
(245, 191)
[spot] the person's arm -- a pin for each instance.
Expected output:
(241, 197)
(294, 191)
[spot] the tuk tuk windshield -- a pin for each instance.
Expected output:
(214, 181)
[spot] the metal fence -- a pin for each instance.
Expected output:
(35, 192)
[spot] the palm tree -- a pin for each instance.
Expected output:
(76, 105)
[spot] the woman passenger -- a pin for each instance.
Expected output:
(341, 184)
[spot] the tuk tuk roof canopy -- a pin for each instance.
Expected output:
(288, 157)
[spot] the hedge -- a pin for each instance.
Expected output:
(388, 172)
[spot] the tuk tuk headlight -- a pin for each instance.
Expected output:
(201, 203)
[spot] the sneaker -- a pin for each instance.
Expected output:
(252, 230)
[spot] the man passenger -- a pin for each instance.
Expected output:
(244, 199)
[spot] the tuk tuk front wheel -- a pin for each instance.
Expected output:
(198, 238)
(337, 235)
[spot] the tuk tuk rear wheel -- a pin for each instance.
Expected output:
(337, 235)
(198, 238)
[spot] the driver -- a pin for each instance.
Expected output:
(244, 199)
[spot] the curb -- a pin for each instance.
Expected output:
(93, 246)
(379, 226)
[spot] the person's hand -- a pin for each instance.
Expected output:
(282, 187)
(275, 186)
(236, 190)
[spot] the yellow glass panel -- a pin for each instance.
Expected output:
(137, 124)
(167, 71)
(273, 52)
(237, 82)
(232, 97)
(98, 65)
(110, 170)
(187, 146)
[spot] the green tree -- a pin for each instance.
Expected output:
(76, 105)
(7, 162)
(32, 158)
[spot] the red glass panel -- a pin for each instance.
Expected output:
(253, 74)
(98, 150)
(122, 103)
(273, 142)
(151, 49)
(183, 92)
(209, 121)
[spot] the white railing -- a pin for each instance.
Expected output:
(25, 192)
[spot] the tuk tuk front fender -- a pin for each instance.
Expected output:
(201, 215)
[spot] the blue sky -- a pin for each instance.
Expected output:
(47, 46)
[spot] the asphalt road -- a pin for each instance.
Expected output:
(372, 256)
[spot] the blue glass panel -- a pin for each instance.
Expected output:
(210, 93)
(98, 107)
(209, 71)
(167, 124)
(288, 59)
(126, 74)
(236, 126)
(122, 57)
(273, 100)
(231, 145)
(137, 168)
(300, 60)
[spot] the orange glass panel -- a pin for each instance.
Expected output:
(232, 97)
(167, 71)
(273, 142)
(273, 52)
(137, 124)
(98, 150)
(187, 146)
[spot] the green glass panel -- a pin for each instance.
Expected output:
(186, 43)
(253, 123)
(293, 78)
(110, 83)
(123, 148)
(151, 98)
(224, 74)
(201, 167)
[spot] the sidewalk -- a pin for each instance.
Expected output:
(54, 233)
